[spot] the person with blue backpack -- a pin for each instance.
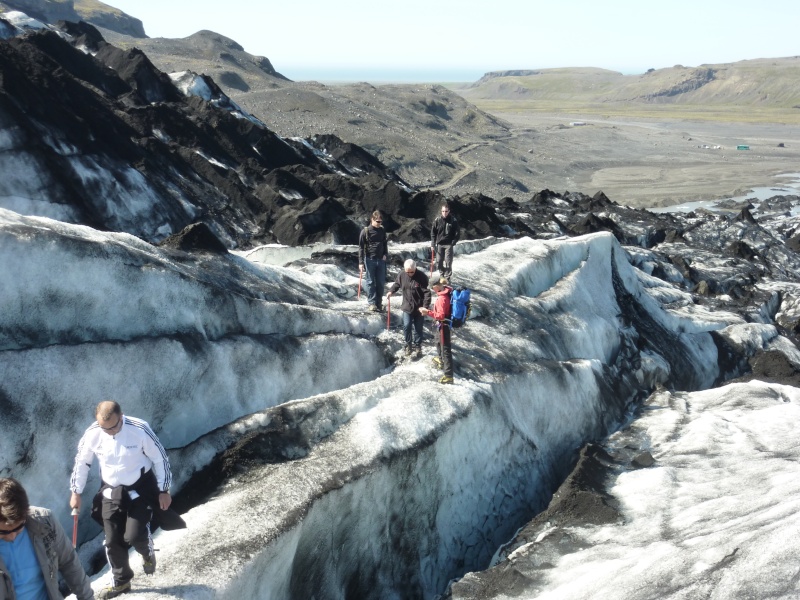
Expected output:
(441, 315)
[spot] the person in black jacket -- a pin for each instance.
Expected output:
(372, 252)
(414, 285)
(444, 235)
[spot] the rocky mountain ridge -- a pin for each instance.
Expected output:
(179, 159)
(767, 82)
(500, 143)
(92, 11)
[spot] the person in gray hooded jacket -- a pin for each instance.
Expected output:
(34, 549)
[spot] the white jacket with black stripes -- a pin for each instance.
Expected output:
(121, 456)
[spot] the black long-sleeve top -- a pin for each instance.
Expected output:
(372, 244)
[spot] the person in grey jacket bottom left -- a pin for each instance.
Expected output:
(34, 549)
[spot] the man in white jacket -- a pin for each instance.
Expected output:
(136, 479)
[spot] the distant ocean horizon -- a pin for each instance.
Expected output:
(376, 75)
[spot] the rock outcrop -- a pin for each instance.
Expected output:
(91, 11)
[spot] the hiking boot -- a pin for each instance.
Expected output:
(438, 362)
(407, 351)
(112, 591)
(149, 564)
(417, 353)
(373, 308)
(446, 379)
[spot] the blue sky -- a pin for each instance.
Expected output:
(314, 39)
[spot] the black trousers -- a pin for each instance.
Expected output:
(126, 527)
(444, 348)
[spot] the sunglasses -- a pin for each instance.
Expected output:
(378, 221)
(114, 426)
(15, 530)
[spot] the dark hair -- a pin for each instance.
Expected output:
(14, 503)
(446, 205)
(377, 215)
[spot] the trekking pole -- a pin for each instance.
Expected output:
(360, 273)
(431, 275)
(75, 527)
(388, 311)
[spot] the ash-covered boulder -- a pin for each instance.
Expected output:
(592, 223)
(352, 157)
(310, 222)
(197, 237)
(772, 366)
(135, 69)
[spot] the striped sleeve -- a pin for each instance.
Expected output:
(83, 462)
(155, 451)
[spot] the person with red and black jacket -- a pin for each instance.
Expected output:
(441, 314)
(414, 285)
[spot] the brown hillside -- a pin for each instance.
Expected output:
(760, 82)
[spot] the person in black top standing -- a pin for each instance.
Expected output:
(372, 252)
(444, 235)
(413, 283)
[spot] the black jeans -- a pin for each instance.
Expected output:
(125, 527)
(444, 348)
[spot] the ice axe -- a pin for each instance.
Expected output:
(75, 513)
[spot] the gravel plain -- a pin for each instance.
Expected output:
(435, 139)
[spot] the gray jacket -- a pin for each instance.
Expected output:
(54, 553)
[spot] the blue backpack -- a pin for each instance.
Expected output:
(459, 307)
